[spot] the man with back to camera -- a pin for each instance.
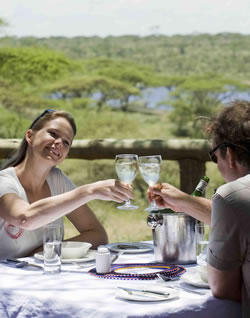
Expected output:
(229, 211)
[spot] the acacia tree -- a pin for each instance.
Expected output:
(112, 79)
(135, 77)
(33, 65)
(22, 70)
(86, 86)
(198, 97)
(122, 70)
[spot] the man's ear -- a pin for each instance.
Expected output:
(29, 136)
(231, 157)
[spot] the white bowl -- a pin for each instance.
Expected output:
(202, 270)
(74, 249)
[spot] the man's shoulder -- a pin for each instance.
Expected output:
(235, 187)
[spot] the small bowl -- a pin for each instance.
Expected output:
(202, 270)
(74, 249)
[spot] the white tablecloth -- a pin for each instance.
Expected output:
(74, 293)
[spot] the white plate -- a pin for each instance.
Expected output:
(137, 296)
(194, 280)
(90, 256)
(139, 247)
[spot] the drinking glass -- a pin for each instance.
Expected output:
(52, 248)
(202, 232)
(126, 169)
(150, 167)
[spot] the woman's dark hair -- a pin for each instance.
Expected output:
(232, 127)
(38, 124)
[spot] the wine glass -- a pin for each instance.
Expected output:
(126, 169)
(149, 167)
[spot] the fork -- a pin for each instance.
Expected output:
(132, 291)
(189, 290)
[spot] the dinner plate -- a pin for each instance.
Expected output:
(194, 280)
(147, 297)
(130, 247)
(90, 256)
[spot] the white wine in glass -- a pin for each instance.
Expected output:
(150, 167)
(126, 169)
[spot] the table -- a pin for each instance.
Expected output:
(74, 293)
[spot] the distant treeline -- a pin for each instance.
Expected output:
(225, 53)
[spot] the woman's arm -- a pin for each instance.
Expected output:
(20, 213)
(89, 227)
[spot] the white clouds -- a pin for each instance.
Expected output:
(117, 17)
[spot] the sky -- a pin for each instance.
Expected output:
(45, 18)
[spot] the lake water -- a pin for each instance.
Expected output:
(152, 97)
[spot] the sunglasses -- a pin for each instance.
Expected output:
(40, 116)
(212, 154)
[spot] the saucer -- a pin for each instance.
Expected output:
(90, 256)
(194, 280)
(147, 297)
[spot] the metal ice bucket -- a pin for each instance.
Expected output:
(173, 237)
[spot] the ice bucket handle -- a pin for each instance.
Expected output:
(154, 220)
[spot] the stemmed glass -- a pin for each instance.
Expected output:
(150, 167)
(126, 169)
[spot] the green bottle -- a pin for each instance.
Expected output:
(200, 188)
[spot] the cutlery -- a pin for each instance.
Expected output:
(132, 291)
(114, 258)
(189, 290)
(3, 261)
(20, 264)
(167, 278)
(127, 247)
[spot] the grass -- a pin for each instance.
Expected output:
(107, 123)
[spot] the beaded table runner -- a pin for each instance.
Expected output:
(147, 271)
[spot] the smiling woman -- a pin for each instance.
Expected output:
(33, 192)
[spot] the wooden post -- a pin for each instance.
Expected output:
(191, 171)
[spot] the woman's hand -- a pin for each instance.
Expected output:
(111, 190)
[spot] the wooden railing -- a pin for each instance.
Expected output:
(191, 154)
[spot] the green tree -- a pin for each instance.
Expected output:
(198, 97)
(32, 65)
(86, 86)
(122, 70)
